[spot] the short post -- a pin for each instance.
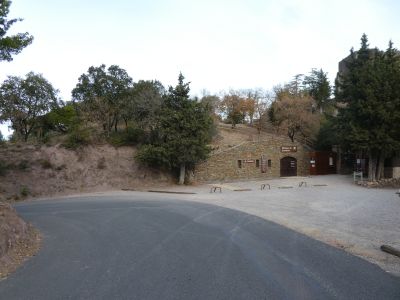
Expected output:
(391, 250)
(264, 185)
(357, 174)
(214, 189)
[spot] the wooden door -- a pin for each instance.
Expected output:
(288, 166)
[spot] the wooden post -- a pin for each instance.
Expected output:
(390, 250)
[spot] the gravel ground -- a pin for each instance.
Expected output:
(331, 209)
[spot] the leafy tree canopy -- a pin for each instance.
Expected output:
(24, 100)
(10, 45)
(318, 87)
(143, 102)
(100, 92)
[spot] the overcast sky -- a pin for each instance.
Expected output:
(217, 45)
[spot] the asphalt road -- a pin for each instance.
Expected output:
(157, 247)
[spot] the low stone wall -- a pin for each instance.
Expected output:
(224, 164)
(396, 172)
(386, 182)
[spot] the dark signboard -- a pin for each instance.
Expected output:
(289, 149)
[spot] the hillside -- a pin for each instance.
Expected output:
(18, 240)
(33, 171)
(228, 136)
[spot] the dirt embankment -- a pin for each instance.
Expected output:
(18, 240)
(32, 171)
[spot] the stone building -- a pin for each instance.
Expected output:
(274, 157)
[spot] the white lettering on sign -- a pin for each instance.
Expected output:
(288, 148)
(249, 160)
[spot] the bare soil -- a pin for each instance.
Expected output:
(37, 171)
(230, 137)
(18, 240)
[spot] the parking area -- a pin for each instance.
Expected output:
(329, 208)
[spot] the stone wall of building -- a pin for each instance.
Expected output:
(253, 156)
(396, 172)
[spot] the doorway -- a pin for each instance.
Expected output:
(288, 166)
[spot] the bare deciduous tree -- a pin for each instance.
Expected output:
(296, 115)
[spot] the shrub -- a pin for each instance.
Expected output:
(101, 163)
(129, 137)
(60, 167)
(46, 164)
(23, 165)
(3, 168)
(2, 140)
(24, 191)
(77, 138)
(152, 156)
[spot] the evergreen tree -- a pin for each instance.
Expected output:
(318, 87)
(183, 132)
(369, 91)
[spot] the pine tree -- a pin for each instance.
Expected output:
(182, 133)
(319, 88)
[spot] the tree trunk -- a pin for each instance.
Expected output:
(182, 174)
(339, 160)
(371, 167)
(380, 167)
(116, 125)
(291, 135)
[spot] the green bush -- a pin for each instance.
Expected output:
(3, 168)
(153, 156)
(60, 167)
(129, 137)
(23, 165)
(77, 138)
(2, 140)
(101, 163)
(24, 191)
(46, 164)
